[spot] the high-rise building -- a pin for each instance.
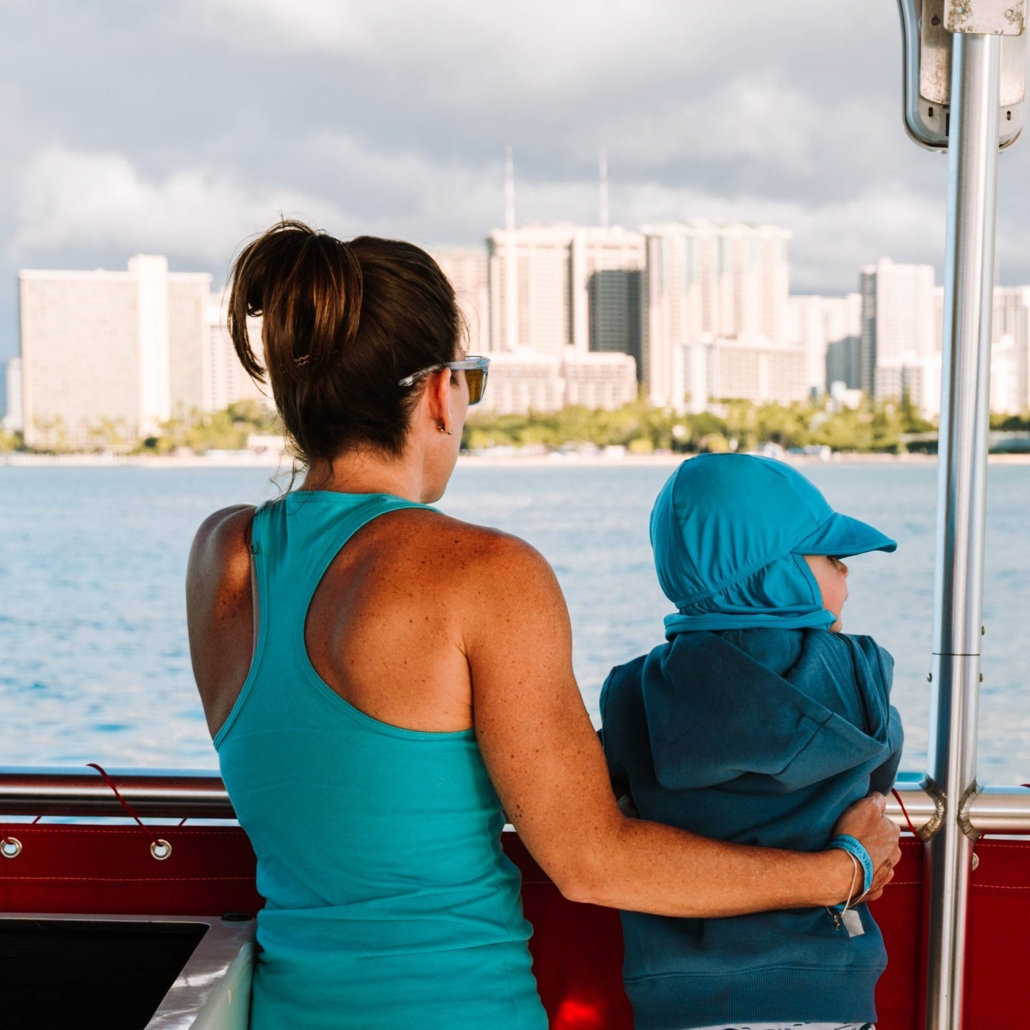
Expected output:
(899, 352)
(225, 379)
(706, 281)
(575, 286)
(1010, 350)
(844, 363)
(1005, 377)
(107, 357)
(741, 369)
(467, 269)
(606, 380)
(867, 338)
(96, 348)
(607, 274)
(540, 289)
(13, 420)
(522, 382)
(1010, 366)
(919, 380)
(818, 324)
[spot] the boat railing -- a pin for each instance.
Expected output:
(200, 794)
(151, 793)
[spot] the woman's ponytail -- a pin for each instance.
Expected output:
(341, 324)
(306, 287)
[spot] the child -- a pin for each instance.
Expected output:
(758, 722)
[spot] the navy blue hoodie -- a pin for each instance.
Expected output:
(758, 736)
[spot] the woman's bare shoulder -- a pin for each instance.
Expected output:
(223, 520)
(429, 534)
(219, 609)
(222, 545)
(479, 565)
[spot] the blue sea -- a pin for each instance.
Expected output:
(94, 664)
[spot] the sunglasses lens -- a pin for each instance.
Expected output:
(476, 379)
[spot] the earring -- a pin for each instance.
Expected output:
(444, 429)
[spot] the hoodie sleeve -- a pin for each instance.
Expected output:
(620, 730)
(874, 667)
(884, 777)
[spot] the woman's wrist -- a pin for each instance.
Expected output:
(856, 849)
(837, 876)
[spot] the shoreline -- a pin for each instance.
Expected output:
(555, 460)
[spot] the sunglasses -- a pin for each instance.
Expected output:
(474, 367)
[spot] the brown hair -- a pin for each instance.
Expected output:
(342, 324)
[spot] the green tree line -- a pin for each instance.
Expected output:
(226, 430)
(196, 432)
(729, 425)
(871, 428)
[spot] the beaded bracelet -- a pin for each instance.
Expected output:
(855, 848)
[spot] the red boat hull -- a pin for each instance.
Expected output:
(577, 949)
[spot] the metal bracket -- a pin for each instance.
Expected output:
(927, 39)
(965, 824)
(985, 17)
(931, 827)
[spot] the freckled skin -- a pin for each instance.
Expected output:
(490, 649)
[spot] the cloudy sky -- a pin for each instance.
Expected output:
(183, 127)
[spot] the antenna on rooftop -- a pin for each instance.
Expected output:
(603, 170)
(511, 270)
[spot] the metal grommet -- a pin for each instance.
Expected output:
(10, 847)
(161, 850)
(976, 862)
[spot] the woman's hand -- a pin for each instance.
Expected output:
(866, 821)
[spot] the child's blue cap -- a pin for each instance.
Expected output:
(729, 532)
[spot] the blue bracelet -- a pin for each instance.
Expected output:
(855, 847)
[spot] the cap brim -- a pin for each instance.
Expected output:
(841, 536)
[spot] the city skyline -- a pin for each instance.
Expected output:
(694, 311)
(363, 120)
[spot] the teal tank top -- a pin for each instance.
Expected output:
(389, 902)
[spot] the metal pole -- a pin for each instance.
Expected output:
(968, 292)
(151, 792)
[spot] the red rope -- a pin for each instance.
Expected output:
(125, 804)
(904, 812)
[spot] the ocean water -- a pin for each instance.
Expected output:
(94, 664)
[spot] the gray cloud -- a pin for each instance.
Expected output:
(185, 127)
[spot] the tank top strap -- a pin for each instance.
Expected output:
(295, 539)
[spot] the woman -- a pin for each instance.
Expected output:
(384, 682)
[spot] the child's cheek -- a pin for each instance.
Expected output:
(841, 596)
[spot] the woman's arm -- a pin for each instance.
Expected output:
(548, 767)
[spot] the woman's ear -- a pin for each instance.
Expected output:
(437, 397)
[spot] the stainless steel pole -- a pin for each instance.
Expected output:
(962, 494)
